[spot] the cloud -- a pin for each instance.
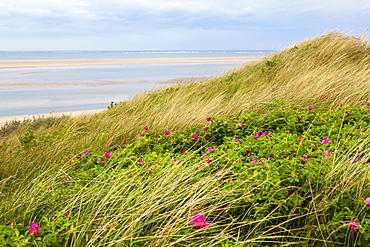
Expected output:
(164, 20)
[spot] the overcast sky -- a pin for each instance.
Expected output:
(174, 24)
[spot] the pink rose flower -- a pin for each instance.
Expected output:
(325, 140)
(34, 227)
(353, 160)
(367, 201)
(198, 221)
(304, 158)
(353, 224)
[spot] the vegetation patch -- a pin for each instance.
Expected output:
(269, 155)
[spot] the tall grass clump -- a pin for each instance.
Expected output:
(270, 155)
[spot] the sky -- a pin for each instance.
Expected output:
(174, 24)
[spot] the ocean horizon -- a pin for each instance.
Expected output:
(80, 54)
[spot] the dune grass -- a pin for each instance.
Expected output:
(114, 205)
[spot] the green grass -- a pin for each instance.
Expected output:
(283, 201)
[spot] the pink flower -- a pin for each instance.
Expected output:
(194, 136)
(257, 134)
(167, 132)
(368, 104)
(86, 151)
(263, 161)
(209, 161)
(325, 140)
(1, 146)
(107, 155)
(206, 137)
(198, 221)
(139, 136)
(353, 160)
(140, 160)
(50, 188)
(268, 137)
(211, 148)
(304, 158)
(69, 158)
(240, 125)
(309, 108)
(183, 151)
(367, 201)
(265, 133)
(34, 227)
(209, 119)
(150, 168)
(78, 156)
(199, 167)
(249, 154)
(353, 224)
(326, 152)
(146, 128)
(368, 111)
(236, 139)
(254, 159)
(206, 128)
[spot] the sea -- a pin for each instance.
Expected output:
(43, 90)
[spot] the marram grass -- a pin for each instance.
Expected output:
(124, 203)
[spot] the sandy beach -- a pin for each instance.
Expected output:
(11, 64)
(4, 120)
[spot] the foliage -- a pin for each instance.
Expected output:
(253, 182)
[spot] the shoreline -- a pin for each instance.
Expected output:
(19, 64)
(15, 64)
(4, 120)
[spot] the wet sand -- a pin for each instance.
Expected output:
(11, 64)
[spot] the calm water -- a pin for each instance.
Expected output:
(57, 89)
